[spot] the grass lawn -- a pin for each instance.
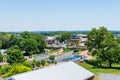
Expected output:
(96, 70)
(78, 52)
(53, 50)
(67, 50)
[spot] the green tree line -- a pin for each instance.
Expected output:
(104, 46)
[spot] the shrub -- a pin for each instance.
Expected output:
(76, 50)
(27, 63)
(4, 69)
(52, 57)
(38, 63)
(43, 62)
(16, 69)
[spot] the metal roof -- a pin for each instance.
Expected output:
(64, 71)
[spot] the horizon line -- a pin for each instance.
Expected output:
(39, 30)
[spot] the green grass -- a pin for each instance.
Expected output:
(53, 50)
(67, 50)
(92, 68)
(56, 50)
(79, 52)
(96, 70)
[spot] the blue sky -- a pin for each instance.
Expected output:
(44, 15)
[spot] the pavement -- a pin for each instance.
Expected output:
(103, 76)
(85, 53)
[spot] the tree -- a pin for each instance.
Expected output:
(64, 36)
(32, 43)
(0, 44)
(5, 39)
(104, 44)
(41, 42)
(110, 50)
(15, 56)
(1, 57)
(109, 53)
(95, 37)
(30, 46)
(27, 34)
(52, 57)
(118, 40)
(113, 56)
(16, 40)
(58, 38)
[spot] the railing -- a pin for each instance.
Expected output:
(57, 56)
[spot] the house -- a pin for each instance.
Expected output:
(51, 40)
(74, 41)
(83, 37)
(63, 71)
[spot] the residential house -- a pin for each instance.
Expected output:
(51, 40)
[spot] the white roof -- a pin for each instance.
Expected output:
(50, 38)
(65, 71)
(83, 39)
(82, 44)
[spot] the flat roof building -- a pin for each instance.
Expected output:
(63, 71)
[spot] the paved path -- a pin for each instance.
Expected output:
(109, 77)
(85, 53)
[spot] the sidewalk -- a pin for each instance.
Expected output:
(85, 53)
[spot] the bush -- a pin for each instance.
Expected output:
(16, 69)
(76, 50)
(38, 63)
(52, 58)
(34, 63)
(43, 63)
(4, 69)
(28, 64)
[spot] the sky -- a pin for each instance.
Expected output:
(58, 15)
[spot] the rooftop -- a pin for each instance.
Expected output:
(64, 71)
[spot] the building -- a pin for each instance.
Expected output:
(83, 37)
(75, 42)
(51, 40)
(63, 71)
